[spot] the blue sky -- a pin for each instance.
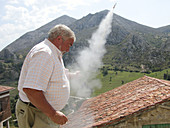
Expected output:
(20, 16)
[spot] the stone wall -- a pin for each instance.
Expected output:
(158, 114)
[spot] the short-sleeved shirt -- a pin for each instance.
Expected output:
(43, 69)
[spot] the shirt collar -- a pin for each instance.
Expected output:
(53, 47)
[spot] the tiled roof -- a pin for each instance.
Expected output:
(5, 89)
(115, 105)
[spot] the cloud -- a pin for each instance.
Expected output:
(13, 1)
(29, 2)
(10, 32)
(21, 17)
(20, 20)
(71, 4)
(27, 15)
(34, 14)
(14, 13)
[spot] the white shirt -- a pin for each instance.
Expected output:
(43, 70)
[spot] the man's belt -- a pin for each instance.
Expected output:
(27, 103)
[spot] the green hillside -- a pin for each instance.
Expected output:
(112, 79)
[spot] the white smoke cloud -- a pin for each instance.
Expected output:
(90, 60)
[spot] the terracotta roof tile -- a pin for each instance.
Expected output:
(118, 103)
(5, 89)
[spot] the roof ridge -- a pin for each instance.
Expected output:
(159, 80)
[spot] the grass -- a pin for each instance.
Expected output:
(117, 78)
(11, 127)
(159, 74)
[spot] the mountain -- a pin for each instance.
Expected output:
(29, 39)
(165, 29)
(130, 46)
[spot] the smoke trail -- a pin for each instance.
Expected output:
(90, 59)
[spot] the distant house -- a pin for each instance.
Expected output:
(5, 110)
(142, 103)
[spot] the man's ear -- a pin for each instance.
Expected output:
(59, 38)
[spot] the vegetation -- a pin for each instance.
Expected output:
(110, 78)
(144, 52)
(112, 75)
(115, 78)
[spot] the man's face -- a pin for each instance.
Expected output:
(66, 44)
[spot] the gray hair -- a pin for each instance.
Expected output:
(61, 30)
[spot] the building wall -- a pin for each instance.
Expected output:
(159, 114)
(5, 110)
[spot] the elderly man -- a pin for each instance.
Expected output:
(43, 84)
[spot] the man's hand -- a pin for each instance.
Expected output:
(59, 118)
(38, 99)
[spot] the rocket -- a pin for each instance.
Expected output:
(114, 5)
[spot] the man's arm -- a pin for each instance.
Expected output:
(38, 99)
(71, 75)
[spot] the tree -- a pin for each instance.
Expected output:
(105, 72)
(1, 68)
(168, 78)
(110, 78)
(165, 76)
